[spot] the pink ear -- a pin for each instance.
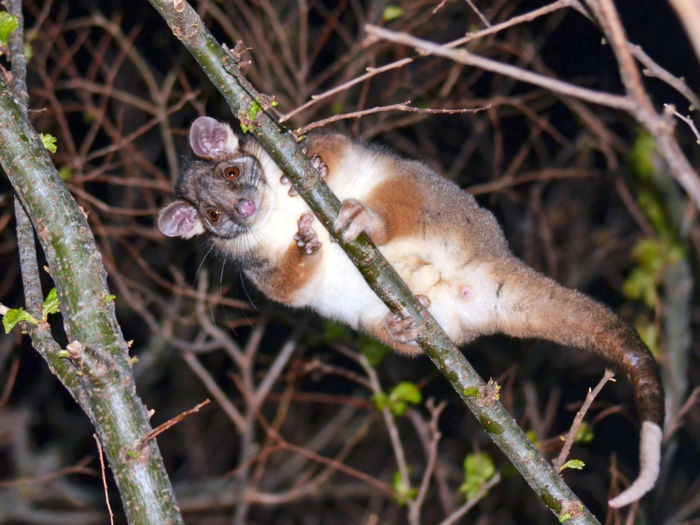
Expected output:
(180, 219)
(211, 139)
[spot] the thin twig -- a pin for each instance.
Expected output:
(636, 102)
(579, 419)
(390, 425)
(463, 57)
(400, 63)
(533, 176)
(78, 468)
(370, 73)
(150, 435)
(394, 107)
(12, 376)
(652, 69)
(478, 13)
(231, 411)
(450, 520)
(687, 120)
(415, 506)
(527, 17)
(104, 478)
(284, 444)
(676, 423)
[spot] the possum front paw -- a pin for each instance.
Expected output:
(361, 219)
(401, 330)
(316, 162)
(306, 237)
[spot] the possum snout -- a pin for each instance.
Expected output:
(245, 207)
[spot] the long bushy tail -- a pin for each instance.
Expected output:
(535, 306)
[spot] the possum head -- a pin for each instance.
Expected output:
(222, 191)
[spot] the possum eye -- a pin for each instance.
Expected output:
(232, 173)
(213, 214)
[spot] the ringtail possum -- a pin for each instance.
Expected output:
(451, 253)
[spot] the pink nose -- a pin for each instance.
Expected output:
(245, 208)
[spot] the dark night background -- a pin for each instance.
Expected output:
(580, 229)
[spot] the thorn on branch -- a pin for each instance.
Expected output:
(135, 452)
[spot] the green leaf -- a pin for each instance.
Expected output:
(51, 305)
(49, 142)
(397, 401)
(574, 463)
(653, 256)
(564, 517)
(108, 298)
(8, 24)
(406, 391)
(584, 434)
(641, 286)
(64, 354)
(254, 109)
(641, 157)
(65, 173)
(654, 210)
(14, 316)
(478, 470)
(403, 493)
(245, 128)
(392, 12)
(402, 395)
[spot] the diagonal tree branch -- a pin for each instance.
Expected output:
(222, 69)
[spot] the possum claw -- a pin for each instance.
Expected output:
(317, 162)
(306, 238)
(423, 300)
(285, 180)
(358, 216)
(401, 330)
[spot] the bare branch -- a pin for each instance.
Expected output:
(579, 419)
(464, 57)
(396, 107)
(454, 518)
(104, 477)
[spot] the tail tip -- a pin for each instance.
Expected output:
(649, 460)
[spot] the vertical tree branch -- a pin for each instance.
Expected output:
(99, 375)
